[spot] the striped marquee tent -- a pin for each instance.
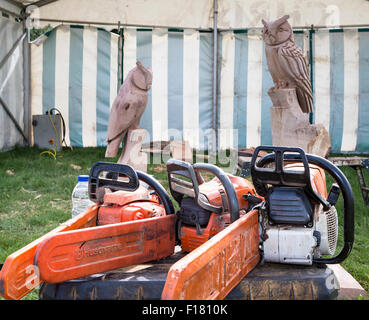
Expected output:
(76, 70)
(78, 66)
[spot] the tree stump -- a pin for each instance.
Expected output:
(132, 154)
(291, 127)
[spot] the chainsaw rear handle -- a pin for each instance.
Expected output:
(179, 187)
(348, 198)
(278, 176)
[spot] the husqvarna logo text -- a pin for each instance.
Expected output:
(86, 252)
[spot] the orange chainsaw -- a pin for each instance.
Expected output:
(132, 222)
(294, 223)
(207, 207)
(218, 225)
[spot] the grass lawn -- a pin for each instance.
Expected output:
(36, 193)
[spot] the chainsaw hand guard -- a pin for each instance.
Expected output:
(111, 180)
(231, 196)
(262, 176)
(179, 187)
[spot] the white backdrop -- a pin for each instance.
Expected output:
(11, 83)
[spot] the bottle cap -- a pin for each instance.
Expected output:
(82, 178)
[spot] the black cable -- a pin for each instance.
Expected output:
(64, 128)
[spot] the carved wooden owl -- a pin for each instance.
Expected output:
(128, 107)
(286, 62)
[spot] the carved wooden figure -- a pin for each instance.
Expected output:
(286, 61)
(291, 95)
(126, 112)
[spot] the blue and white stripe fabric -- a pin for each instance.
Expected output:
(341, 86)
(180, 101)
(76, 69)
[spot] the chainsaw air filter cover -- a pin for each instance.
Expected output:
(289, 206)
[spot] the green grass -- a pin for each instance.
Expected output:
(36, 193)
(357, 264)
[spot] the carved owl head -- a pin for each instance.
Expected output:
(142, 77)
(277, 32)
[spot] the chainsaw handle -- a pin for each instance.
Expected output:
(349, 210)
(234, 209)
(348, 200)
(159, 189)
(262, 176)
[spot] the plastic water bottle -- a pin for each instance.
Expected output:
(80, 199)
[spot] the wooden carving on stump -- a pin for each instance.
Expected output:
(125, 116)
(291, 95)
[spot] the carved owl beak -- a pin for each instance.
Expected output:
(272, 39)
(148, 78)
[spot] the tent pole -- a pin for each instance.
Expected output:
(122, 25)
(16, 4)
(215, 76)
(119, 56)
(27, 118)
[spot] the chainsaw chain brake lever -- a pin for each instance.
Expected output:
(261, 176)
(116, 176)
(179, 187)
(192, 172)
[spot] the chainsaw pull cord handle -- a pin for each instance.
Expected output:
(159, 189)
(348, 200)
(227, 184)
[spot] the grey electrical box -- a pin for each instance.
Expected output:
(47, 134)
